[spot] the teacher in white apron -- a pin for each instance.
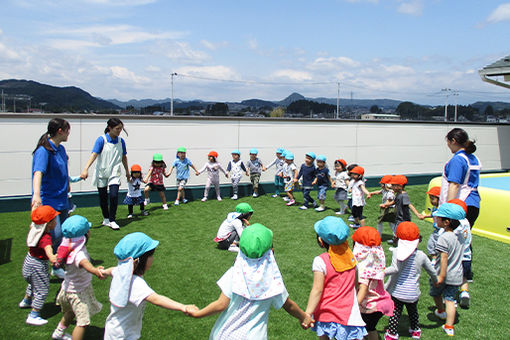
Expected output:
(110, 152)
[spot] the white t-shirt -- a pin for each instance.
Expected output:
(134, 187)
(387, 195)
(126, 323)
(340, 178)
(230, 224)
(318, 265)
(77, 279)
(358, 197)
(288, 171)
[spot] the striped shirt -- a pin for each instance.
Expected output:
(405, 289)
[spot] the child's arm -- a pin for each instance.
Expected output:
(193, 167)
(315, 295)
(413, 209)
(442, 271)
(201, 170)
(244, 168)
(149, 173)
(387, 204)
(214, 307)
(362, 292)
(222, 170)
(394, 267)
(427, 265)
(85, 264)
(365, 191)
(167, 174)
(263, 167)
(171, 170)
(107, 272)
(49, 253)
(293, 309)
(377, 192)
(165, 302)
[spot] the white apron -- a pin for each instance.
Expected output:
(464, 189)
(108, 165)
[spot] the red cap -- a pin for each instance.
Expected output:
(460, 203)
(408, 231)
(213, 154)
(367, 236)
(399, 179)
(43, 214)
(434, 191)
(358, 170)
(386, 179)
(342, 161)
(136, 167)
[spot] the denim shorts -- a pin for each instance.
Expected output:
(449, 292)
(321, 192)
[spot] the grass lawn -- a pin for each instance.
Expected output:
(187, 266)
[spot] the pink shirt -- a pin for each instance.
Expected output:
(377, 299)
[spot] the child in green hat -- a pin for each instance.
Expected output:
(232, 227)
(154, 179)
(182, 165)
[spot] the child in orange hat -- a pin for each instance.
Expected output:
(213, 168)
(134, 194)
(358, 191)
(387, 214)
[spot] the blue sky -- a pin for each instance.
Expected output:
(235, 50)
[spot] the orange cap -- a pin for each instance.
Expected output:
(460, 203)
(358, 170)
(136, 167)
(213, 154)
(386, 179)
(399, 179)
(434, 191)
(367, 236)
(43, 214)
(342, 161)
(408, 231)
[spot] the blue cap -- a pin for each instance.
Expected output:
(254, 151)
(289, 155)
(311, 155)
(332, 230)
(237, 152)
(450, 210)
(321, 158)
(284, 152)
(134, 245)
(280, 150)
(75, 226)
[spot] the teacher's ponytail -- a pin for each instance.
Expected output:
(462, 138)
(470, 146)
(53, 126)
(113, 122)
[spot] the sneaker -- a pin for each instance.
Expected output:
(388, 336)
(464, 299)
(448, 331)
(130, 216)
(441, 315)
(233, 249)
(147, 201)
(60, 335)
(176, 202)
(36, 320)
(274, 196)
(184, 201)
(390, 241)
(73, 208)
(319, 209)
(219, 198)
(415, 333)
(234, 197)
(165, 206)
(204, 199)
(106, 222)
(114, 225)
(303, 207)
(286, 199)
(350, 219)
(255, 195)
(59, 272)
(290, 202)
(145, 213)
(339, 213)
(25, 304)
(354, 226)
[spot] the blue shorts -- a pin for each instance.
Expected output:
(321, 192)
(449, 292)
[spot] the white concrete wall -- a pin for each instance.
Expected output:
(380, 147)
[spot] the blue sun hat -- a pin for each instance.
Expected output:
(254, 151)
(332, 230)
(134, 245)
(321, 158)
(289, 155)
(75, 226)
(450, 210)
(236, 151)
(284, 153)
(311, 155)
(280, 150)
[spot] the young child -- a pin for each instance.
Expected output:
(289, 177)
(154, 179)
(129, 292)
(387, 206)
(255, 168)
(249, 289)
(341, 184)
(358, 190)
(450, 251)
(134, 194)
(323, 181)
(76, 296)
(374, 301)
(404, 278)
(35, 266)
(232, 227)
(349, 193)
(235, 170)
(332, 309)
(213, 168)
(308, 172)
(182, 165)
(433, 193)
(278, 180)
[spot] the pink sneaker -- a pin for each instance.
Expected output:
(292, 202)
(415, 333)
(388, 336)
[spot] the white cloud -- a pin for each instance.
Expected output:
(70, 44)
(180, 51)
(332, 63)
(152, 68)
(125, 74)
(7, 53)
(253, 44)
(213, 45)
(413, 7)
(212, 72)
(293, 75)
(501, 13)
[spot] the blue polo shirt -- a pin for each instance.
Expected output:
(182, 168)
(308, 173)
(55, 179)
(456, 170)
(98, 145)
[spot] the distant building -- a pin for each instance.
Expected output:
(379, 116)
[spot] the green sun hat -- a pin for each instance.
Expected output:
(244, 208)
(157, 157)
(256, 240)
(181, 149)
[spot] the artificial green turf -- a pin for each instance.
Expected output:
(187, 266)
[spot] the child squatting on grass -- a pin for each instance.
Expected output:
(248, 290)
(232, 227)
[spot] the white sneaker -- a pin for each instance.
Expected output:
(36, 321)
(106, 222)
(73, 208)
(338, 213)
(60, 335)
(165, 206)
(464, 299)
(442, 315)
(219, 198)
(350, 218)
(319, 209)
(114, 225)
(286, 199)
(176, 202)
(234, 197)
(184, 201)
(147, 201)
(23, 304)
(204, 199)
(130, 216)
(233, 249)
(255, 195)
(303, 207)
(274, 196)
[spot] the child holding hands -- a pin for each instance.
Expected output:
(181, 166)
(154, 179)
(341, 184)
(358, 191)
(213, 168)
(323, 181)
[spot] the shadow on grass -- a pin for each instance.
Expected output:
(94, 332)
(438, 322)
(49, 310)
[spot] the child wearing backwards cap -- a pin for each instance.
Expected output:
(76, 296)
(232, 227)
(449, 270)
(248, 290)
(308, 172)
(341, 183)
(213, 168)
(235, 170)
(35, 266)
(404, 278)
(358, 191)
(255, 168)
(332, 309)
(387, 206)
(373, 300)
(129, 292)
(278, 163)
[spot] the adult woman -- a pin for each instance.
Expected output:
(110, 152)
(50, 175)
(461, 173)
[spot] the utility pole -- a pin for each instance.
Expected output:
(447, 93)
(338, 102)
(172, 99)
(455, 94)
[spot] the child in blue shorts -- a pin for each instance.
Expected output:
(182, 165)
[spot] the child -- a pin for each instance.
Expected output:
(232, 227)
(387, 206)
(332, 299)
(129, 292)
(278, 163)
(323, 181)
(341, 184)
(234, 170)
(373, 300)
(433, 193)
(255, 168)
(35, 266)
(289, 177)
(249, 289)
(308, 172)
(349, 193)
(213, 175)
(76, 296)
(358, 190)
(450, 251)
(134, 194)
(154, 179)
(404, 278)
(182, 165)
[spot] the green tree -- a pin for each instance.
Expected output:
(277, 112)
(489, 111)
(217, 109)
(374, 109)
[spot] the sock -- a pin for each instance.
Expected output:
(35, 314)
(27, 301)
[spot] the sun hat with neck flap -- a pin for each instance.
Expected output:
(335, 232)
(256, 240)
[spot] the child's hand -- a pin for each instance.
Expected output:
(439, 281)
(332, 185)
(246, 222)
(100, 273)
(196, 172)
(226, 175)
(53, 259)
(247, 174)
(421, 217)
(294, 180)
(190, 309)
(307, 322)
(382, 205)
